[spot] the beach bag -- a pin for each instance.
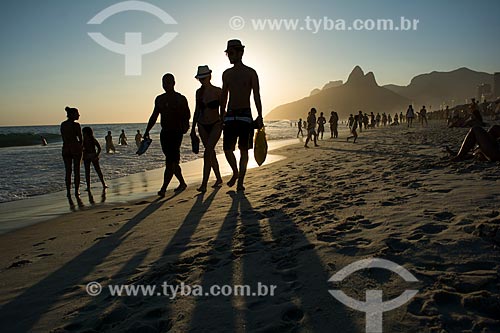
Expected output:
(260, 147)
(195, 144)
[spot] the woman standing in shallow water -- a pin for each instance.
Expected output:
(72, 149)
(207, 116)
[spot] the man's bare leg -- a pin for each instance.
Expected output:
(231, 159)
(243, 169)
(178, 174)
(167, 177)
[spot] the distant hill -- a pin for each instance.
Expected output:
(331, 84)
(360, 92)
(436, 88)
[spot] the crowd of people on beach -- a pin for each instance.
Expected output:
(218, 110)
(361, 121)
(478, 143)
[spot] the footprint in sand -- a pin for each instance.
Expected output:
(20, 263)
(443, 216)
(431, 228)
(45, 255)
(397, 245)
(292, 314)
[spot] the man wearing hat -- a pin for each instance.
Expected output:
(175, 116)
(239, 82)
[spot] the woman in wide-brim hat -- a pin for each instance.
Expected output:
(207, 116)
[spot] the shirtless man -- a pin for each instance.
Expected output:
(239, 81)
(174, 110)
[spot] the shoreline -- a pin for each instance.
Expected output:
(18, 214)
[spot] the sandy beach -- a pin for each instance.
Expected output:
(392, 195)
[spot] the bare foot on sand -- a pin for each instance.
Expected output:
(233, 180)
(218, 183)
(181, 187)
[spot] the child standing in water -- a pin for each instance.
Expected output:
(91, 156)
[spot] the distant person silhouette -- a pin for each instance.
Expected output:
(396, 120)
(360, 120)
(365, 120)
(311, 128)
(334, 124)
(72, 148)
(410, 114)
(372, 120)
(239, 82)
(207, 115)
(110, 146)
(353, 128)
(299, 125)
(350, 121)
(91, 156)
(321, 125)
(123, 139)
(44, 141)
(175, 115)
(475, 118)
(138, 138)
(423, 116)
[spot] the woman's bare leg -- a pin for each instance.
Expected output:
(86, 164)
(76, 164)
(477, 135)
(67, 166)
(210, 158)
(98, 170)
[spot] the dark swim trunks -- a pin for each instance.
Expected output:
(171, 145)
(238, 131)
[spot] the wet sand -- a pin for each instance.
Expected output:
(22, 213)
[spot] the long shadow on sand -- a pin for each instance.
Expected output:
(148, 313)
(267, 248)
(24, 311)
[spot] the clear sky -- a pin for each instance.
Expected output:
(48, 60)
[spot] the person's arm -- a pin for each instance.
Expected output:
(96, 143)
(256, 98)
(79, 134)
(152, 120)
(186, 115)
(196, 111)
(224, 94)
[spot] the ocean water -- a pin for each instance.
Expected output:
(35, 169)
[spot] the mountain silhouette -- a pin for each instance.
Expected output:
(331, 84)
(436, 88)
(360, 92)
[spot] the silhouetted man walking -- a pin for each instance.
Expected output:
(175, 116)
(239, 81)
